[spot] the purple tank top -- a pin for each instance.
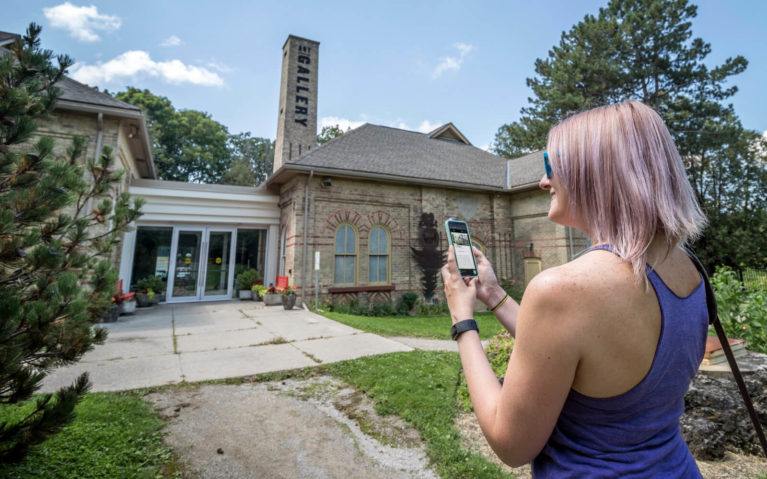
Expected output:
(636, 434)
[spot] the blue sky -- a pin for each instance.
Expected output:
(413, 65)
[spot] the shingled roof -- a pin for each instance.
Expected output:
(409, 155)
(72, 90)
(526, 170)
(413, 157)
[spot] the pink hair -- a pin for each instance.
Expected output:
(624, 176)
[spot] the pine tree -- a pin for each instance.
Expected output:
(644, 50)
(56, 276)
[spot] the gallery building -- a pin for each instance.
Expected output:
(358, 217)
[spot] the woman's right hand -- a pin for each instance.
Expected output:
(488, 289)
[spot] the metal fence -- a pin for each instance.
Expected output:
(754, 278)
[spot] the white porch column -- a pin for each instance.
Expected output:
(272, 254)
(126, 257)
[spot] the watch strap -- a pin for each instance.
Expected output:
(462, 327)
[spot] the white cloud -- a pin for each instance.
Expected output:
(342, 123)
(81, 21)
(135, 62)
(427, 126)
(223, 68)
(453, 63)
(486, 147)
(172, 41)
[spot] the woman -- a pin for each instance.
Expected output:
(605, 345)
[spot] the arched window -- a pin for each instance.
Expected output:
(379, 255)
(346, 255)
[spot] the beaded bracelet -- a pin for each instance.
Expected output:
(500, 304)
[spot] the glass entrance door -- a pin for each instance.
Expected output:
(186, 271)
(217, 264)
(202, 264)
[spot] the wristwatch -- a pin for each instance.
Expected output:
(462, 327)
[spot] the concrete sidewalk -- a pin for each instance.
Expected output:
(172, 343)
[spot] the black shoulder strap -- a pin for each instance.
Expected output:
(713, 318)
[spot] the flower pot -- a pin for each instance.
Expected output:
(142, 300)
(256, 297)
(246, 294)
(128, 307)
(112, 315)
(288, 301)
(272, 299)
(155, 299)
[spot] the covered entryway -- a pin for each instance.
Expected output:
(197, 238)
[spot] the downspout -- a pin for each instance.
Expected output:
(99, 145)
(306, 221)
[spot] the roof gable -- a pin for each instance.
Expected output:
(448, 131)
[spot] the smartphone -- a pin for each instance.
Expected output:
(458, 236)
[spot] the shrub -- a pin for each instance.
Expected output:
(385, 308)
(743, 311)
(155, 283)
(248, 277)
(405, 303)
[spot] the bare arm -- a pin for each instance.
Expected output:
(517, 419)
(491, 293)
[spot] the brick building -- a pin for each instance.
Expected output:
(369, 203)
(368, 199)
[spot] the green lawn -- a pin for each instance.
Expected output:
(420, 387)
(113, 435)
(436, 327)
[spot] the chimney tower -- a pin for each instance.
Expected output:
(297, 121)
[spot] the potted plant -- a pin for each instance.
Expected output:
(125, 301)
(272, 297)
(289, 297)
(258, 291)
(247, 279)
(149, 288)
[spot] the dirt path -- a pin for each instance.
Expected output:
(315, 428)
(319, 428)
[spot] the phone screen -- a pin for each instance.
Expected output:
(464, 256)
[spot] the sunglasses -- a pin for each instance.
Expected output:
(546, 164)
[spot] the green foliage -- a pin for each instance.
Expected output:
(153, 283)
(113, 435)
(755, 279)
(406, 302)
(252, 160)
(644, 49)
(498, 351)
(56, 278)
(329, 132)
(436, 327)
(420, 387)
(259, 289)
(248, 278)
(743, 311)
(188, 145)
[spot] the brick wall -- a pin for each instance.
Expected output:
(503, 222)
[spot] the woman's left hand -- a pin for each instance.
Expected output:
(460, 293)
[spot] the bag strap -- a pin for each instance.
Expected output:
(713, 318)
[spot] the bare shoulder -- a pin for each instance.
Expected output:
(579, 297)
(589, 276)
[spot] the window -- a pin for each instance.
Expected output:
(346, 255)
(379, 255)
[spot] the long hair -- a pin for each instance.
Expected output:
(624, 176)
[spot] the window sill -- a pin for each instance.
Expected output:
(361, 289)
